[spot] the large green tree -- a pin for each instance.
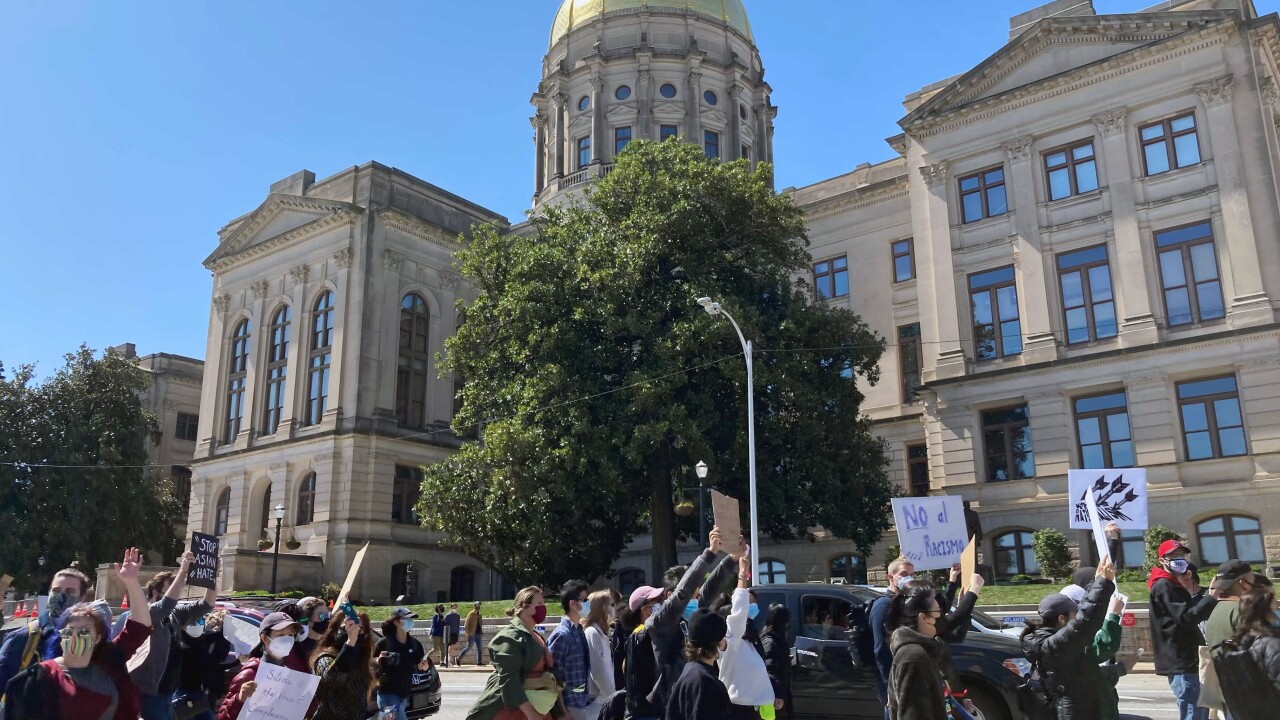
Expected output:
(599, 382)
(73, 457)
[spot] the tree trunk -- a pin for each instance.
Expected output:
(662, 514)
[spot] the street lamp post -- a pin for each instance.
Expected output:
(713, 308)
(701, 469)
(278, 514)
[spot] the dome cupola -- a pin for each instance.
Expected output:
(575, 13)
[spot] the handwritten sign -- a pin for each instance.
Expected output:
(729, 520)
(282, 694)
(931, 530)
(204, 571)
(968, 562)
(1121, 497)
(350, 582)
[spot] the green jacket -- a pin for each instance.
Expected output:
(514, 652)
(1105, 645)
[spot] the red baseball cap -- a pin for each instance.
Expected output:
(1169, 546)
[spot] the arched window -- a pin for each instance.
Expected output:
(849, 569)
(307, 500)
(630, 579)
(277, 368)
(462, 584)
(265, 512)
(411, 374)
(399, 580)
(772, 572)
(320, 358)
(221, 513)
(1230, 537)
(237, 373)
(1013, 554)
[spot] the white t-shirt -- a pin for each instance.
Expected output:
(741, 667)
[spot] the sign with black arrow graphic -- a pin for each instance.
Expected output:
(1120, 495)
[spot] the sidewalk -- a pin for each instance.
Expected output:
(468, 668)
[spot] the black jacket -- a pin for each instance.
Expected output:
(1266, 652)
(699, 695)
(916, 689)
(395, 673)
(1175, 626)
(664, 631)
(1071, 677)
(777, 662)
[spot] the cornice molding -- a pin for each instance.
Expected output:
(269, 210)
(284, 240)
(1270, 92)
(1111, 122)
(1216, 91)
(856, 199)
(413, 226)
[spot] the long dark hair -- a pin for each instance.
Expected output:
(917, 597)
(330, 643)
(1256, 615)
(778, 620)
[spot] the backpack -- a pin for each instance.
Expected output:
(29, 652)
(1246, 688)
(640, 675)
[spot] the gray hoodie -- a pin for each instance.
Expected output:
(152, 676)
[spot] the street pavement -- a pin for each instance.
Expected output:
(1142, 696)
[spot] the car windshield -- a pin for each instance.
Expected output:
(987, 621)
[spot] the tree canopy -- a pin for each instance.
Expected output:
(599, 382)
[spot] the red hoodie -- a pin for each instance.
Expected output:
(1159, 573)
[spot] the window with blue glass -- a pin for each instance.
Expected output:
(584, 102)
(711, 143)
(1189, 275)
(904, 264)
(1212, 424)
(584, 152)
(1071, 170)
(1230, 537)
(982, 195)
(710, 97)
(623, 92)
(831, 277)
(997, 329)
(1102, 431)
(1170, 144)
(621, 139)
(1006, 443)
(1088, 305)
(666, 132)
(667, 90)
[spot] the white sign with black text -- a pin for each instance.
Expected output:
(1121, 497)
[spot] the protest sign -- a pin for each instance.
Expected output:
(204, 571)
(729, 521)
(1095, 524)
(968, 563)
(1121, 497)
(242, 635)
(350, 582)
(282, 694)
(931, 530)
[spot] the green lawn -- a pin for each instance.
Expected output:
(492, 609)
(1032, 594)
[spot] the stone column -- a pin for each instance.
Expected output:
(693, 108)
(540, 162)
(735, 122)
(644, 105)
(933, 237)
(1039, 344)
(1132, 256)
(557, 139)
(1248, 297)
(598, 154)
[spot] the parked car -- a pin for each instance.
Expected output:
(989, 625)
(833, 675)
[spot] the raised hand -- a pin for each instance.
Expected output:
(186, 560)
(955, 573)
(975, 583)
(353, 631)
(1112, 530)
(713, 540)
(1117, 605)
(1106, 569)
(129, 567)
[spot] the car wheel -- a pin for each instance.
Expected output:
(988, 705)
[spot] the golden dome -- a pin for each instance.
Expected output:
(575, 13)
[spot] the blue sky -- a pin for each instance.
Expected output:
(133, 130)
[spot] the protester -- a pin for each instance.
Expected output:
(202, 650)
(522, 685)
(777, 655)
(1258, 633)
(639, 660)
(572, 656)
(742, 668)
(596, 625)
(437, 637)
(342, 660)
(452, 632)
(1080, 581)
(699, 694)
(157, 675)
(900, 572)
(396, 657)
(1234, 579)
(917, 679)
(1102, 652)
(38, 639)
(314, 616)
(1178, 606)
(1058, 647)
(277, 636)
(663, 626)
(474, 628)
(89, 680)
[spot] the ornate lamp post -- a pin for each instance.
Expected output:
(278, 514)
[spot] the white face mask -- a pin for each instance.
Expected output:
(306, 632)
(281, 647)
(194, 631)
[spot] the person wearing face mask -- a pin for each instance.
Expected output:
(638, 659)
(89, 680)
(277, 636)
(1178, 606)
(572, 656)
(157, 675)
(38, 639)
(917, 678)
(342, 660)
(523, 685)
(1233, 580)
(1059, 647)
(599, 616)
(1257, 632)
(664, 626)
(397, 655)
(314, 616)
(901, 572)
(742, 668)
(699, 693)
(202, 650)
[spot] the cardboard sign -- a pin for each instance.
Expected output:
(350, 582)
(931, 530)
(204, 571)
(729, 521)
(1121, 497)
(282, 694)
(1128, 620)
(1095, 523)
(968, 563)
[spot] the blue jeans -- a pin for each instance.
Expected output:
(474, 639)
(157, 707)
(1186, 688)
(181, 697)
(399, 703)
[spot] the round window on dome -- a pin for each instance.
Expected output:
(584, 102)
(710, 97)
(623, 92)
(668, 90)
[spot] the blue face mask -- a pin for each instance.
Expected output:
(1179, 566)
(407, 624)
(586, 607)
(753, 611)
(690, 609)
(904, 580)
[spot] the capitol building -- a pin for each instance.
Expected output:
(1073, 254)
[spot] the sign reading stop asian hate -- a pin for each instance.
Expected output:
(931, 530)
(204, 571)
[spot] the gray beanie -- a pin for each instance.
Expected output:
(1056, 604)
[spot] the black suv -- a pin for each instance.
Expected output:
(834, 674)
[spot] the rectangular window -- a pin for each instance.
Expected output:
(904, 263)
(909, 361)
(711, 144)
(982, 195)
(1006, 440)
(1170, 144)
(746, 153)
(1189, 275)
(918, 470)
(666, 132)
(404, 495)
(1212, 424)
(1088, 306)
(621, 139)
(1071, 170)
(997, 330)
(584, 152)
(831, 277)
(1102, 431)
(186, 426)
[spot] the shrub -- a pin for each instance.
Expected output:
(1155, 535)
(1049, 546)
(329, 591)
